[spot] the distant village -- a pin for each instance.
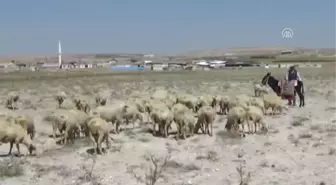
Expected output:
(150, 62)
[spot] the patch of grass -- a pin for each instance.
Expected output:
(144, 139)
(210, 156)
(11, 168)
(330, 128)
(195, 140)
(42, 170)
(298, 121)
(332, 151)
(318, 144)
(130, 133)
(293, 139)
(330, 109)
(182, 167)
(116, 148)
(315, 127)
(305, 135)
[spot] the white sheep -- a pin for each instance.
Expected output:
(60, 97)
(67, 104)
(190, 121)
(179, 119)
(163, 117)
(260, 90)
(170, 101)
(160, 94)
(27, 122)
(100, 100)
(241, 100)
(72, 127)
(11, 101)
(280, 106)
(177, 108)
(81, 119)
(255, 116)
(14, 133)
(166, 118)
(188, 100)
(70, 121)
(82, 103)
(258, 102)
(54, 118)
(132, 114)
(206, 100)
(236, 116)
(206, 117)
(151, 104)
(224, 104)
(139, 103)
(112, 113)
(274, 102)
(98, 132)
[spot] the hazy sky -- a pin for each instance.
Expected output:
(170, 26)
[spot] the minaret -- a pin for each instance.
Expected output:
(59, 54)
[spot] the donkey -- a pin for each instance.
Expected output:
(274, 84)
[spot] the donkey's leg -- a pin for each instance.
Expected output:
(303, 99)
(301, 96)
(294, 97)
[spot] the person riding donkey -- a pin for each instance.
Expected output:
(290, 82)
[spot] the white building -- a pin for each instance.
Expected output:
(202, 63)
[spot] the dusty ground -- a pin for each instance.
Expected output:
(298, 149)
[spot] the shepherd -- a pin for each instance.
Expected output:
(291, 85)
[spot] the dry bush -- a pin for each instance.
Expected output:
(11, 168)
(154, 171)
(88, 175)
(243, 178)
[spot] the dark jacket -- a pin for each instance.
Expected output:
(292, 74)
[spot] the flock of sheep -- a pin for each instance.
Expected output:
(77, 115)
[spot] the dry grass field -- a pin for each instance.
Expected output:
(299, 147)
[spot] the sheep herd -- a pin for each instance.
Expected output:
(85, 116)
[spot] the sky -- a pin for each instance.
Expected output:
(158, 26)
